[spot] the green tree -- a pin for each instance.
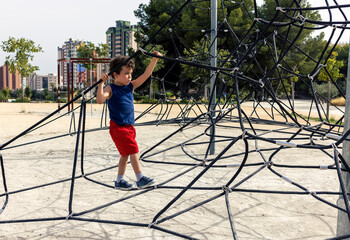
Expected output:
(333, 72)
(28, 92)
(300, 56)
(21, 54)
(141, 62)
(191, 27)
(23, 50)
(343, 53)
(52, 86)
(90, 51)
(2, 97)
(6, 92)
(268, 10)
(46, 93)
(190, 30)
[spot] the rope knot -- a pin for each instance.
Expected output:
(261, 83)
(257, 20)
(280, 9)
(310, 77)
(204, 161)
(235, 69)
(303, 19)
(244, 133)
(226, 188)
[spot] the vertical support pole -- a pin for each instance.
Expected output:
(59, 84)
(213, 53)
(343, 223)
(91, 83)
(68, 85)
(72, 82)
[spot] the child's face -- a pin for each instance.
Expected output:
(124, 77)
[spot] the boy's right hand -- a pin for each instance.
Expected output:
(104, 77)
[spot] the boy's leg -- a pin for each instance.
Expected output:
(135, 163)
(142, 181)
(123, 161)
(121, 183)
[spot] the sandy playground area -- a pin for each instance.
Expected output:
(256, 215)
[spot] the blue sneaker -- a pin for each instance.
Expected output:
(123, 185)
(144, 182)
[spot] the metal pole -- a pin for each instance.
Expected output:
(72, 82)
(91, 85)
(59, 84)
(68, 85)
(343, 224)
(213, 52)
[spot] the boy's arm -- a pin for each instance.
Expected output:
(141, 79)
(103, 93)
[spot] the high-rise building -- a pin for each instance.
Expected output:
(120, 37)
(41, 82)
(51, 81)
(81, 75)
(8, 79)
(67, 51)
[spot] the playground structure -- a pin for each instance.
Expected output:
(231, 127)
(69, 75)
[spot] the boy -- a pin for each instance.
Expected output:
(121, 112)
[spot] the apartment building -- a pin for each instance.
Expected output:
(41, 82)
(67, 51)
(8, 79)
(81, 76)
(120, 37)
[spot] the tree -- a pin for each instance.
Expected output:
(333, 73)
(53, 87)
(90, 50)
(295, 60)
(6, 92)
(46, 93)
(2, 97)
(343, 52)
(21, 54)
(27, 92)
(193, 25)
(23, 50)
(190, 26)
(141, 62)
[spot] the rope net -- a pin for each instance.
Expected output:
(252, 128)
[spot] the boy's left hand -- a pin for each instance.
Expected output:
(158, 53)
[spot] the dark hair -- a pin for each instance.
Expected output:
(116, 64)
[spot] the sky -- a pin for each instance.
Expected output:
(51, 23)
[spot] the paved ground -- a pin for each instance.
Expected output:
(256, 211)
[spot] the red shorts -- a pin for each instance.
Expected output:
(124, 138)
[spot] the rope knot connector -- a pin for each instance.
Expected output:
(226, 188)
(280, 9)
(261, 83)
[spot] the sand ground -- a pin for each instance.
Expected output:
(256, 215)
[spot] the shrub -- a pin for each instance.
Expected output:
(322, 89)
(2, 97)
(22, 100)
(340, 101)
(169, 94)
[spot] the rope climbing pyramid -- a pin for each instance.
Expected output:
(274, 169)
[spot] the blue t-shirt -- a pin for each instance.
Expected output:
(121, 104)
